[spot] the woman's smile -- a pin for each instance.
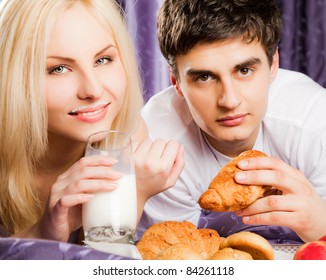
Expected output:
(90, 114)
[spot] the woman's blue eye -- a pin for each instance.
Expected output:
(61, 69)
(103, 60)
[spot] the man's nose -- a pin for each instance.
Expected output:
(229, 97)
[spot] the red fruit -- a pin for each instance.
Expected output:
(315, 250)
(323, 238)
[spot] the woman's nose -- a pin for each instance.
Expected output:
(91, 86)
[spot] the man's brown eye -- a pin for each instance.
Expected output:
(244, 71)
(204, 78)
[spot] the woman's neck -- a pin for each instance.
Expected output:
(60, 155)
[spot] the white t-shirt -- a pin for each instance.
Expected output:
(294, 130)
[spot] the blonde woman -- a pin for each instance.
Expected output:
(68, 70)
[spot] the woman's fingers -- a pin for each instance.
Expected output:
(68, 201)
(157, 156)
(158, 164)
(177, 166)
(86, 162)
(88, 179)
(91, 186)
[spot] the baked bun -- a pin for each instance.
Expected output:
(257, 246)
(224, 194)
(231, 254)
(161, 236)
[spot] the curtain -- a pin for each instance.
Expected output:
(141, 19)
(303, 43)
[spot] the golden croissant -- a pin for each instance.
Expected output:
(225, 194)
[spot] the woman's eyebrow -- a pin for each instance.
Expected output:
(104, 49)
(72, 60)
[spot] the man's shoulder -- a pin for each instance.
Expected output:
(293, 95)
(294, 83)
(295, 110)
(165, 113)
(161, 100)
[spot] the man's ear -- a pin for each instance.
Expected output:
(175, 84)
(275, 65)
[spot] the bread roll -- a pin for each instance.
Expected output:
(224, 194)
(162, 236)
(257, 246)
(231, 254)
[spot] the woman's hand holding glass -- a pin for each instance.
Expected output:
(158, 165)
(63, 212)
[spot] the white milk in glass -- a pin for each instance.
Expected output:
(112, 216)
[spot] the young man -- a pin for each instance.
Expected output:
(228, 95)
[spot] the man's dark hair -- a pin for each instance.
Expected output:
(182, 24)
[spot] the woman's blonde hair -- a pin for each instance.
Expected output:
(25, 28)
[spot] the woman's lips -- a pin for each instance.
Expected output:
(90, 114)
(232, 120)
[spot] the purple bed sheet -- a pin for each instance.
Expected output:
(39, 249)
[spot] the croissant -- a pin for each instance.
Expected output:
(224, 194)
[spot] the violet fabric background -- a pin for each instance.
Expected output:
(33, 249)
(303, 44)
(302, 48)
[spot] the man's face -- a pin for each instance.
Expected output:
(225, 85)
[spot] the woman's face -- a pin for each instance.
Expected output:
(85, 80)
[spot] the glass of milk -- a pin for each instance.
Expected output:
(112, 216)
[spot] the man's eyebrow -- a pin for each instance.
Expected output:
(248, 63)
(192, 72)
(198, 72)
(72, 60)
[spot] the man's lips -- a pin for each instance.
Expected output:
(232, 120)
